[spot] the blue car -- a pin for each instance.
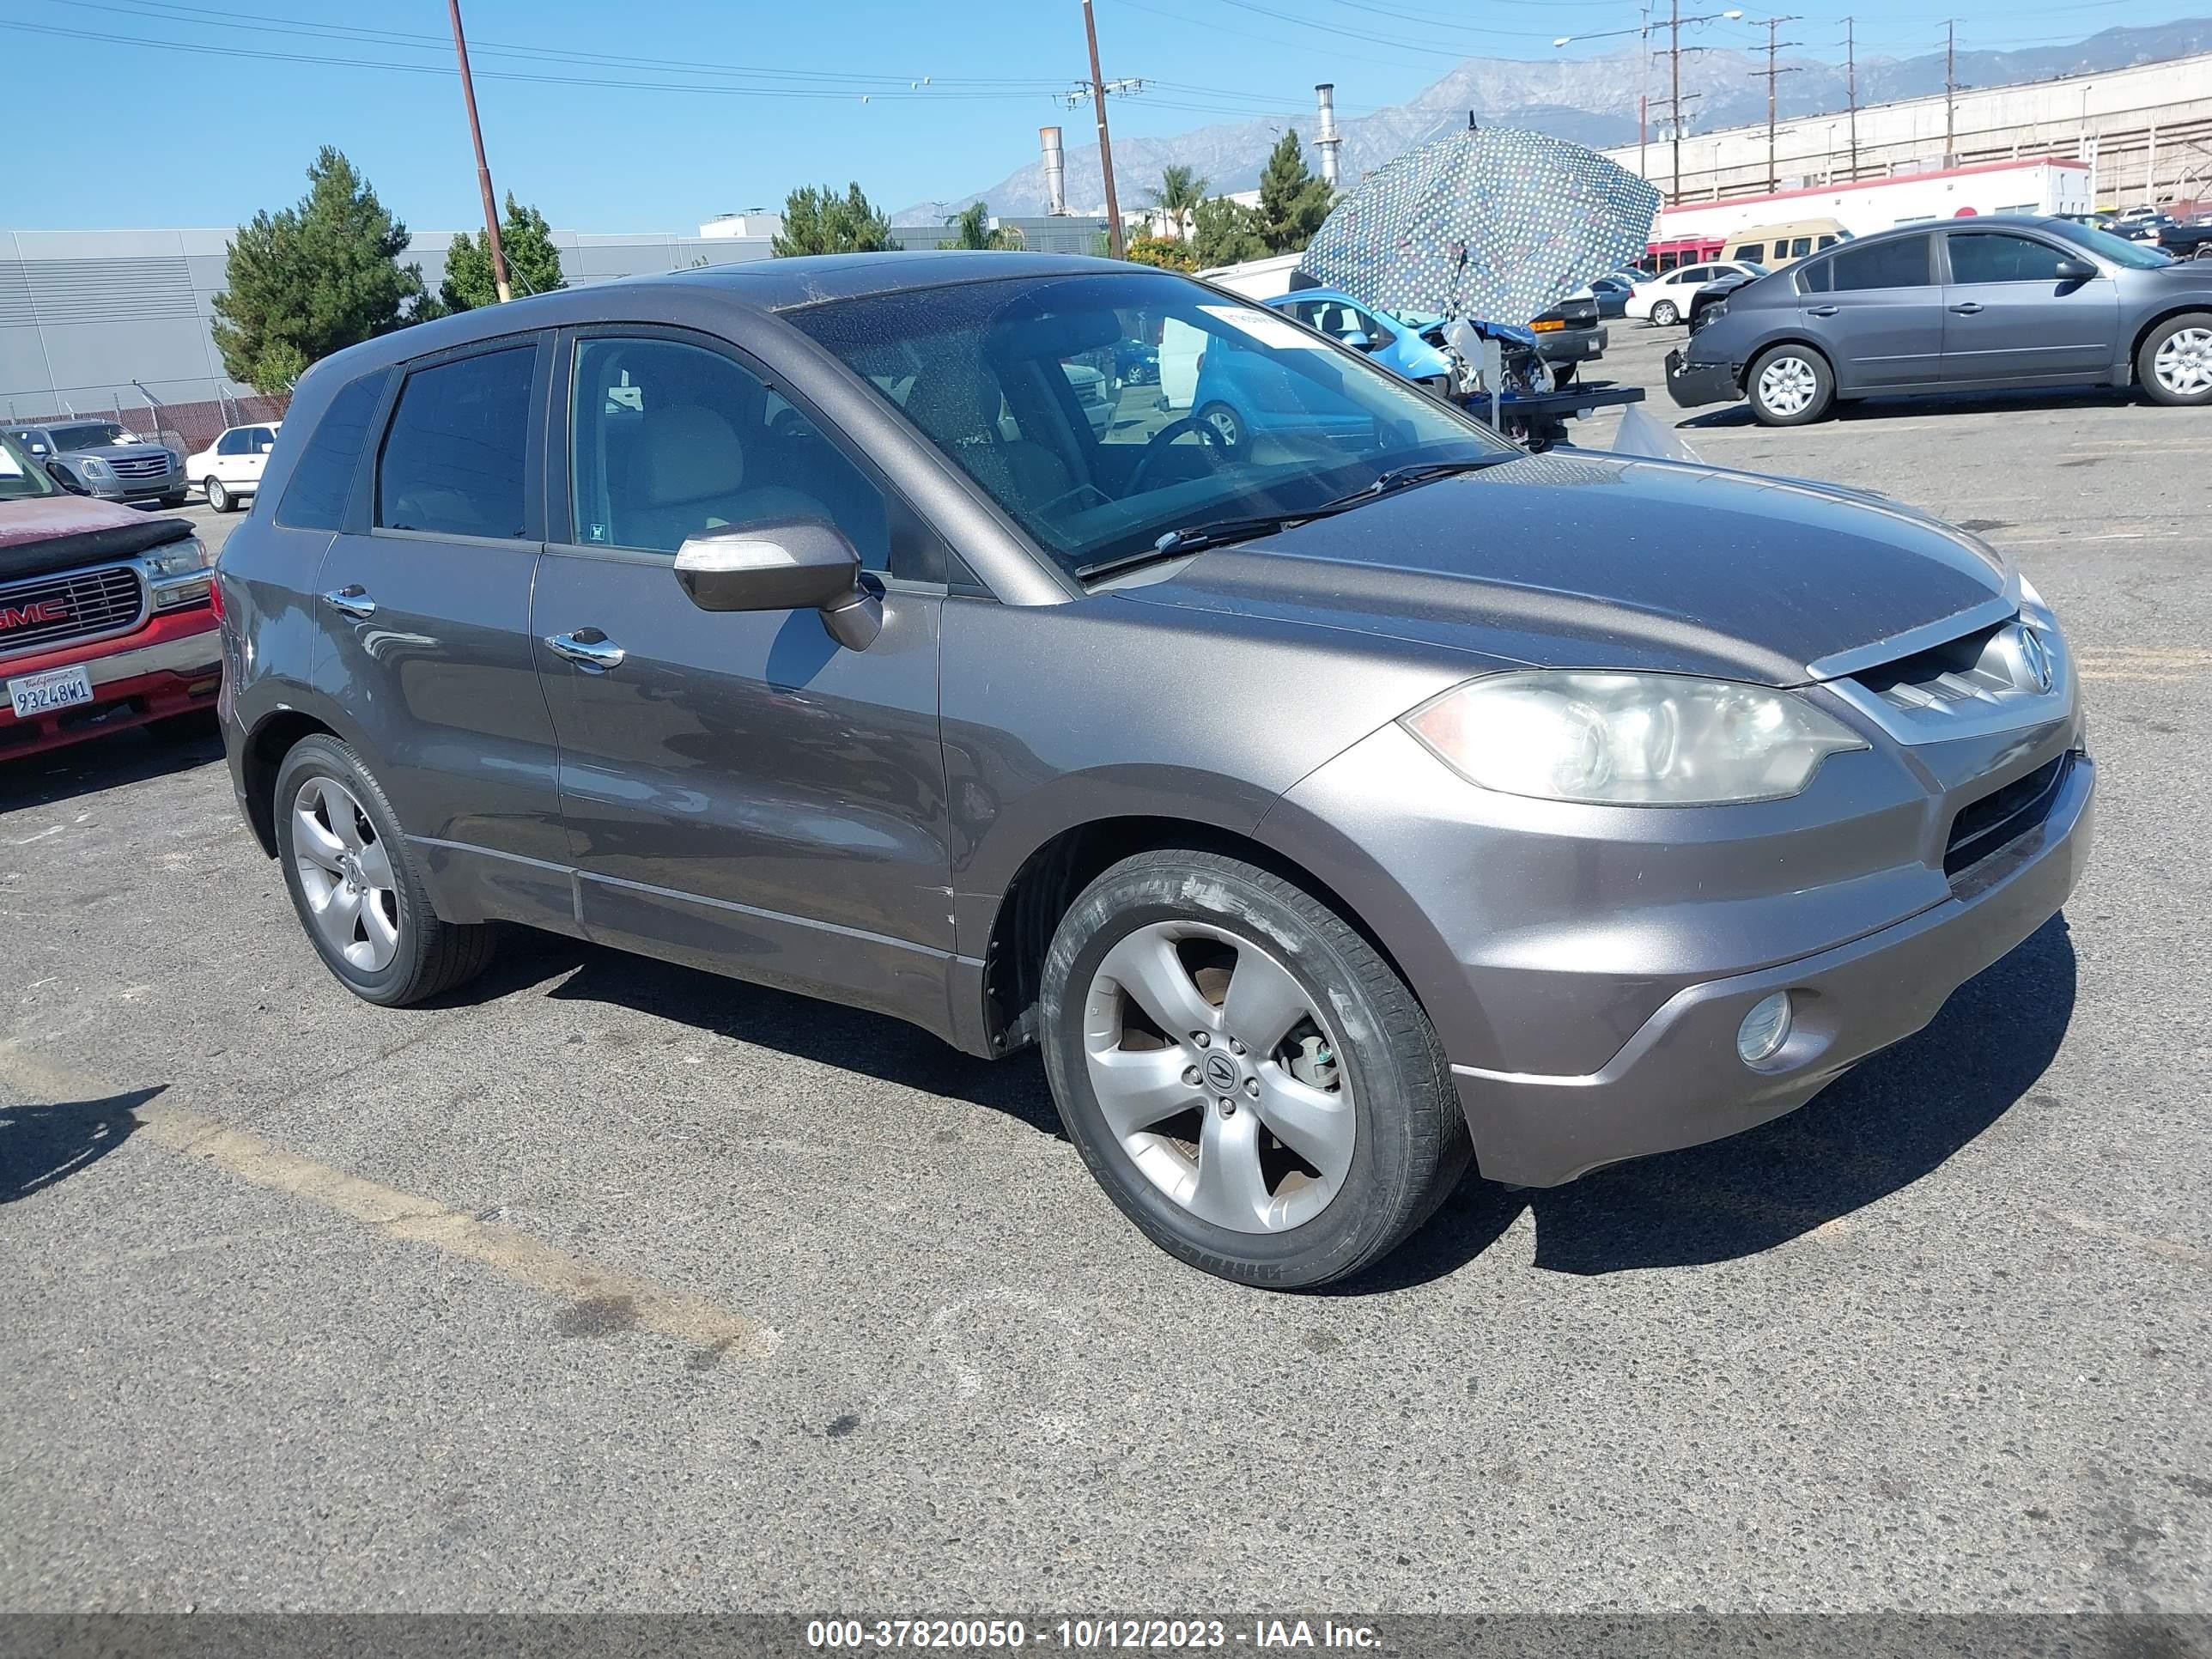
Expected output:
(1241, 394)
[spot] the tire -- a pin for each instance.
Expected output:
(197, 727)
(414, 954)
(217, 497)
(1790, 385)
(1664, 315)
(2175, 361)
(1228, 424)
(1388, 1139)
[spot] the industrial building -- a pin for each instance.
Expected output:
(2145, 134)
(117, 322)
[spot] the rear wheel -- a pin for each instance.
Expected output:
(1664, 315)
(1228, 425)
(1790, 385)
(354, 883)
(2175, 363)
(1252, 1085)
(218, 497)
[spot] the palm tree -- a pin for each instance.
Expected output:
(1180, 192)
(971, 228)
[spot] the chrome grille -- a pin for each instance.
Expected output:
(80, 604)
(139, 466)
(2014, 673)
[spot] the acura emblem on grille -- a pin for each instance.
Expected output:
(2035, 657)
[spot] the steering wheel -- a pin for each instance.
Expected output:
(1214, 443)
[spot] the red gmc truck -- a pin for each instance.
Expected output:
(107, 616)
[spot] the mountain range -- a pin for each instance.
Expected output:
(1591, 100)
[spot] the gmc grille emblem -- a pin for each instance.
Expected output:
(24, 616)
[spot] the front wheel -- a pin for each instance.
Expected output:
(218, 497)
(1790, 385)
(2175, 363)
(354, 883)
(1664, 315)
(1228, 425)
(1252, 1085)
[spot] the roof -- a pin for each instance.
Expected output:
(1885, 182)
(778, 284)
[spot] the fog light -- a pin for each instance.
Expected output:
(1765, 1029)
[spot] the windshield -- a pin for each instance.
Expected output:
(2137, 256)
(21, 477)
(91, 434)
(1249, 414)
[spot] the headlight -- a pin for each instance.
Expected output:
(178, 558)
(95, 468)
(1629, 739)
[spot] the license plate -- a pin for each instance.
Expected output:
(41, 694)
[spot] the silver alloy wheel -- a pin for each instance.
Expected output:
(1786, 385)
(345, 873)
(1219, 1077)
(2183, 362)
(218, 497)
(1664, 313)
(1226, 425)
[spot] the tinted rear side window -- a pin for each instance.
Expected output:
(1816, 277)
(1900, 264)
(323, 478)
(454, 461)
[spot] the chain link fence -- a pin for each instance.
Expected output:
(185, 427)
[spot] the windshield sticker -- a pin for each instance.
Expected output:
(1267, 328)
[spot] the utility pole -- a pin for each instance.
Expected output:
(1675, 95)
(1852, 86)
(483, 172)
(1771, 72)
(1950, 90)
(1113, 241)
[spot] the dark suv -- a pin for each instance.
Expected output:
(1326, 810)
(107, 459)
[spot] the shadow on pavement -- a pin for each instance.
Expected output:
(103, 762)
(1897, 1117)
(42, 1146)
(874, 1045)
(1957, 402)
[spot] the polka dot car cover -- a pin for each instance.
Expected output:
(1494, 224)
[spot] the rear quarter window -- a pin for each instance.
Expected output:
(322, 478)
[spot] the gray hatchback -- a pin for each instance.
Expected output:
(1973, 304)
(1327, 811)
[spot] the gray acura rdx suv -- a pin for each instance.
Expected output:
(1329, 812)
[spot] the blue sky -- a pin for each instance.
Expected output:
(655, 114)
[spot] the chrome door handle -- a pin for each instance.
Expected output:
(1821, 311)
(589, 649)
(351, 601)
(1970, 307)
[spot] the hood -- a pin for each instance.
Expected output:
(43, 518)
(1592, 562)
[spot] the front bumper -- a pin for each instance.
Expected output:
(1693, 384)
(1678, 1081)
(172, 666)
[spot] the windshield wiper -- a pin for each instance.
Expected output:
(1219, 531)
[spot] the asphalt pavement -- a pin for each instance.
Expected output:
(607, 1284)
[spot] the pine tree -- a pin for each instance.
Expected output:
(1226, 233)
(1292, 201)
(313, 279)
(822, 221)
(533, 263)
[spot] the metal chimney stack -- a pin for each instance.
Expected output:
(1326, 142)
(1055, 170)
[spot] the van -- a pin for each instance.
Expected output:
(1776, 246)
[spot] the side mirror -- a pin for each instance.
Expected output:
(798, 564)
(2075, 270)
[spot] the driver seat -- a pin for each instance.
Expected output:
(958, 407)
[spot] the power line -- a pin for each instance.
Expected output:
(1364, 34)
(1772, 72)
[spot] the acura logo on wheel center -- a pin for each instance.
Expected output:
(1221, 1072)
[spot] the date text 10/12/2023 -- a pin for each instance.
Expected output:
(1089, 1634)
